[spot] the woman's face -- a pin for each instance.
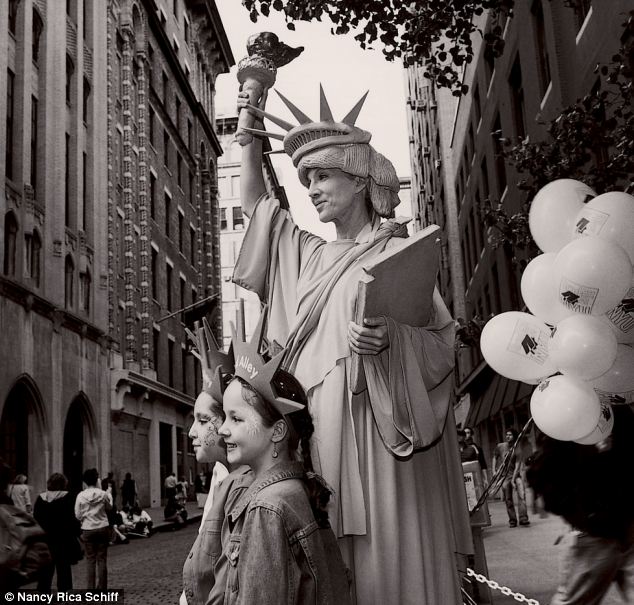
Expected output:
(247, 438)
(204, 431)
(334, 194)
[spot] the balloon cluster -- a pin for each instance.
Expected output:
(576, 342)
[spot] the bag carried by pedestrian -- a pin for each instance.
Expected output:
(24, 548)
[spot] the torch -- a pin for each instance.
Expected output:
(256, 73)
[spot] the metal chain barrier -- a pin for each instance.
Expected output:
(503, 589)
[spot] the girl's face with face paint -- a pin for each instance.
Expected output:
(207, 443)
(247, 437)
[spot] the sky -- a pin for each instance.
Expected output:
(346, 72)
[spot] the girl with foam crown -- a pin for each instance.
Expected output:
(281, 549)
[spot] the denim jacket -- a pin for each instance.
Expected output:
(204, 571)
(277, 554)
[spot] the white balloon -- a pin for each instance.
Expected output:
(539, 290)
(583, 346)
(552, 214)
(565, 408)
(609, 216)
(616, 386)
(621, 318)
(603, 429)
(515, 345)
(592, 275)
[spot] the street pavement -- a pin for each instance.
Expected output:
(526, 559)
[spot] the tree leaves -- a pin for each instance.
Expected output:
(409, 31)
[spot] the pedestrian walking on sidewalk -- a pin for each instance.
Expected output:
(170, 486)
(54, 511)
(513, 482)
(591, 488)
(91, 508)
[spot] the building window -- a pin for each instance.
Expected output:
(238, 218)
(166, 149)
(192, 246)
(484, 173)
(13, 15)
(36, 31)
(164, 79)
(152, 195)
(179, 169)
(500, 166)
(33, 176)
(151, 126)
(85, 101)
(170, 361)
(517, 98)
(223, 219)
(191, 188)
(67, 180)
(168, 286)
(190, 134)
(33, 250)
(581, 8)
(541, 46)
(177, 104)
(183, 288)
(70, 70)
(168, 203)
(156, 339)
(10, 242)
(150, 65)
(8, 167)
(186, 31)
(184, 368)
(181, 235)
(84, 291)
(84, 178)
(476, 104)
(69, 274)
(154, 270)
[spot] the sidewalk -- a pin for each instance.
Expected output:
(526, 559)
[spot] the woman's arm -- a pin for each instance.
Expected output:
(252, 184)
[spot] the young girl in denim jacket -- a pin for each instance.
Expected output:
(281, 549)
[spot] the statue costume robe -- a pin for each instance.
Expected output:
(400, 515)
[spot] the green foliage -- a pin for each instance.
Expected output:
(434, 33)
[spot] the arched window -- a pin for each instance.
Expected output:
(69, 274)
(37, 28)
(33, 249)
(84, 291)
(10, 239)
(70, 70)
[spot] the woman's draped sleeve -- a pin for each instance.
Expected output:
(409, 383)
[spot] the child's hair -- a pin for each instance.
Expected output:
(301, 428)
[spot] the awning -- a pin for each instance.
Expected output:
(500, 394)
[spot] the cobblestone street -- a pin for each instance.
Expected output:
(150, 570)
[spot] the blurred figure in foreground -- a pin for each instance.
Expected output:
(590, 487)
(20, 493)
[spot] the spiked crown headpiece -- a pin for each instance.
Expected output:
(272, 383)
(331, 144)
(215, 364)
